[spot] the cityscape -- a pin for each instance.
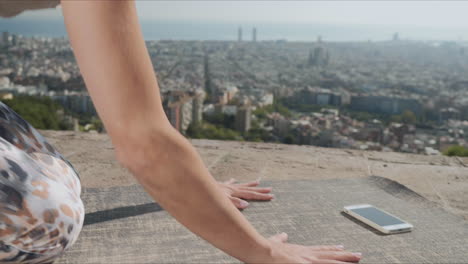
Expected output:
(395, 95)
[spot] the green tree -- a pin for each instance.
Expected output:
(223, 120)
(289, 139)
(407, 117)
(262, 112)
(458, 151)
(97, 124)
(40, 112)
(210, 131)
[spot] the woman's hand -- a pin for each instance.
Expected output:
(248, 191)
(283, 252)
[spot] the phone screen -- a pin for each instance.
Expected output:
(377, 216)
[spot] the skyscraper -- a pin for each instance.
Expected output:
(239, 34)
(319, 57)
(243, 118)
(6, 37)
(254, 34)
(197, 107)
(319, 39)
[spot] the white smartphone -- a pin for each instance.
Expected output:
(378, 219)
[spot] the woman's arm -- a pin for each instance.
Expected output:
(111, 53)
(113, 59)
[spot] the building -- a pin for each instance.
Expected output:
(183, 108)
(6, 38)
(280, 124)
(319, 57)
(450, 113)
(197, 107)
(317, 96)
(385, 104)
(5, 95)
(76, 102)
(186, 113)
(172, 111)
(254, 34)
(265, 99)
(225, 109)
(231, 91)
(243, 118)
(239, 34)
(179, 113)
(5, 82)
(221, 97)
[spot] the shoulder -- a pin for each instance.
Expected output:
(10, 8)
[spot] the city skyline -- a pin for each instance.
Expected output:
(408, 96)
(434, 14)
(290, 20)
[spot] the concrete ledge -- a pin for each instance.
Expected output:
(440, 179)
(123, 224)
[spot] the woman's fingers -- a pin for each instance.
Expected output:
(249, 184)
(315, 254)
(337, 255)
(230, 181)
(280, 238)
(325, 261)
(245, 191)
(239, 203)
(249, 195)
(326, 248)
(257, 189)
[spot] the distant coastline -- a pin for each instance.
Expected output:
(184, 30)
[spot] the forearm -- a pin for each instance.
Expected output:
(173, 173)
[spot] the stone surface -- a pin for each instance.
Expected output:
(311, 186)
(123, 225)
(441, 179)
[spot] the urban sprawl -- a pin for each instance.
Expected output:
(395, 95)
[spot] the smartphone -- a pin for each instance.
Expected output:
(378, 219)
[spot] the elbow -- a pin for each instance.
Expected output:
(141, 152)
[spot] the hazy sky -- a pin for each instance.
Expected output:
(417, 13)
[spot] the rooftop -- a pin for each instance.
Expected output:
(311, 185)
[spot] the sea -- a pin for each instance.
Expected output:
(190, 30)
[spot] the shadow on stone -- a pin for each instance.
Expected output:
(121, 212)
(396, 189)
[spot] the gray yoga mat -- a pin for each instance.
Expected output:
(123, 225)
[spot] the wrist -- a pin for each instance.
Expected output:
(262, 253)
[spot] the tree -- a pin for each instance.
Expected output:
(408, 117)
(262, 112)
(289, 139)
(210, 131)
(97, 124)
(40, 112)
(458, 151)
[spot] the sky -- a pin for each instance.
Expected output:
(435, 14)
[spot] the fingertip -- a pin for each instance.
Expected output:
(284, 236)
(244, 204)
